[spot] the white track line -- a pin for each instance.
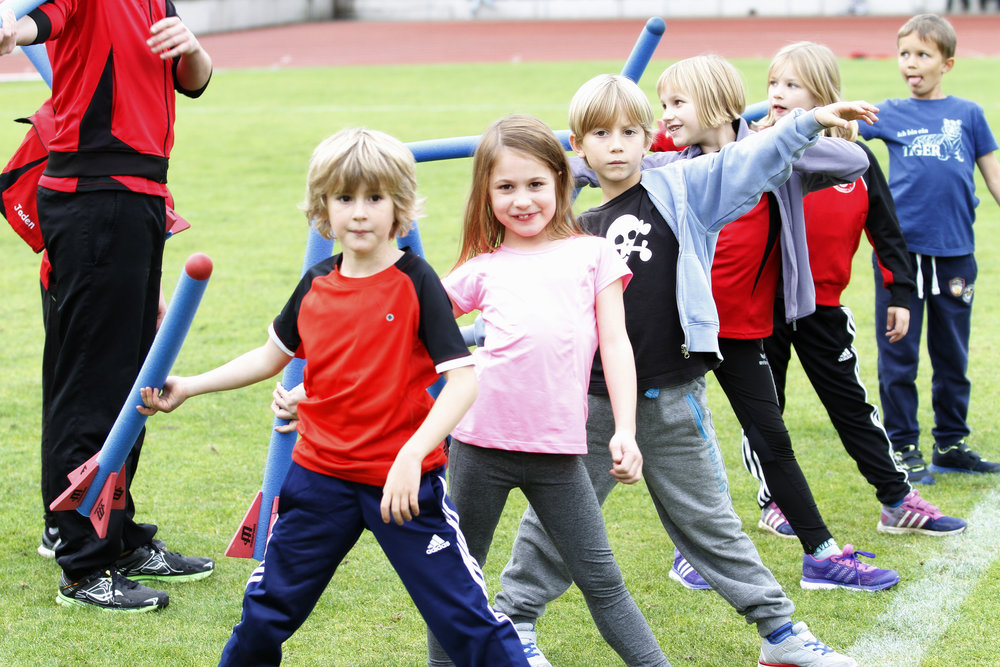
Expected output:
(924, 608)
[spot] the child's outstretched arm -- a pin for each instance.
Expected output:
(720, 187)
(400, 494)
(249, 368)
(619, 375)
(840, 114)
(990, 169)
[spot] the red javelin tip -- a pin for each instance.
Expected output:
(198, 266)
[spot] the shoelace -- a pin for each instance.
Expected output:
(851, 556)
(530, 650)
(819, 647)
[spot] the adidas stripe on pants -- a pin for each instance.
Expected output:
(320, 518)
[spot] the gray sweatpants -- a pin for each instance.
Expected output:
(686, 478)
(479, 481)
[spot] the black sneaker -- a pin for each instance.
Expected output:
(108, 590)
(909, 458)
(50, 542)
(959, 458)
(153, 562)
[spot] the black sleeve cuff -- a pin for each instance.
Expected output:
(43, 25)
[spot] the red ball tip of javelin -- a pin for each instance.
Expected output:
(198, 266)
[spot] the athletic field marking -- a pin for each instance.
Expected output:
(926, 606)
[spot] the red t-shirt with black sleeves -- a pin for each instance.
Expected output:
(373, 346)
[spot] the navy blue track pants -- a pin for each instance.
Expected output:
(320, 518)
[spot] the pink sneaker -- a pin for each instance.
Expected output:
(773, 520)
(916, 515)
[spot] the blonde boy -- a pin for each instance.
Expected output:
(377, 328)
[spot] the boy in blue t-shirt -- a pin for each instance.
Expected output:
(935, 142)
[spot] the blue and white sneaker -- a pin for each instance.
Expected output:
(688, 577)
(773, 520)
(526, 632)
(844, 570)
(800, 648)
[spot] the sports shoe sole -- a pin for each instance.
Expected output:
(824, 585)
(900, 530)
(179, 578)
(766, 528)
(965, 471)
(71, 602)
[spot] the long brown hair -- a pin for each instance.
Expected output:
(482, 232)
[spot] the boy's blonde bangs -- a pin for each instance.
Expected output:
(361, 158)
(713, 84)
(601, 101)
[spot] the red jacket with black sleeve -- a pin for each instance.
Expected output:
(113, 97)
(835, 218)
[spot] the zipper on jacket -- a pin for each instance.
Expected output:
(684, 351)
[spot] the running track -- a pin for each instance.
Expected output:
(367, 43)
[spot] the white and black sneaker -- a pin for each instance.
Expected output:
(50, 542)
(108, 590)
(153, 562)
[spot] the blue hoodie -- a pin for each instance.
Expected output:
(696, 198)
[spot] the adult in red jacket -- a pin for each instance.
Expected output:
(102, 212)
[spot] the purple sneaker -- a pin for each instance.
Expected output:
(916, 515)
(844, 570)
(687, 576)
(773, 520)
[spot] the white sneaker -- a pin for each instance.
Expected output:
(526, 631)
(800, 648)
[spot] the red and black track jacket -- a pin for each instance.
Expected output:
(835, 218)
(113, 97)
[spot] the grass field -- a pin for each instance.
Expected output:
(237, 175)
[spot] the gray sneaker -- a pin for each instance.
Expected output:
(153, 562)
(800, 648)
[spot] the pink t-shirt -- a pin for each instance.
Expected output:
(541, 336)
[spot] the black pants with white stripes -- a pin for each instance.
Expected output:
(824, 344)
(746, 379)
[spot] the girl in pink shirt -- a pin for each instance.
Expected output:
(550, 297)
